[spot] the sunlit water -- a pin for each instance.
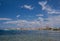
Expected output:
(42, 35)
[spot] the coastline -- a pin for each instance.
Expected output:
(52, 29)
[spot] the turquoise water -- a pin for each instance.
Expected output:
(30, 35)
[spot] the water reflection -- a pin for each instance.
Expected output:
(43, 35)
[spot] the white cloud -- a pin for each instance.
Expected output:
(54, 12)
(43, 4)
(27, 7)
(52, 21)
(40, 19)
(18, 16)
(48, 8)
(5, 19)
(40, 15)
(24, 23)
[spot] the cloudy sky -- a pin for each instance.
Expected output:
(29, 13)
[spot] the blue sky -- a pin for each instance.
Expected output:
(29, 13)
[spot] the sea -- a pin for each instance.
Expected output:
(29, 35)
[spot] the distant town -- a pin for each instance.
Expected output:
(39, 28)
